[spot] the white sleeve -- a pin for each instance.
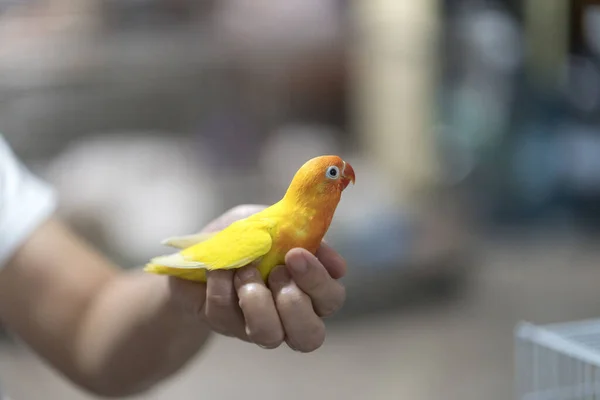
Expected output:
(25, 202)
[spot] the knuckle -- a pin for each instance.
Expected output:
(219, 301)
(220, 322)
(314, 283)
(291, 299)
(252, 293)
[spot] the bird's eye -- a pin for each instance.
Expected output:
(333, 172)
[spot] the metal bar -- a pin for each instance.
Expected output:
(557, 343)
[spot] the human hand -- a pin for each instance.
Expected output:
(288, 308)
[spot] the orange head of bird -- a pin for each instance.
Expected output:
(321, 177)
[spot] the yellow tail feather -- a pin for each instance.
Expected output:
(196, 274)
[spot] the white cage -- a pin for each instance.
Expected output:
(558, 361)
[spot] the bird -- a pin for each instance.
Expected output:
(299, 220)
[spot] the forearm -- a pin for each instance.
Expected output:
(135, 334)
(109, 331)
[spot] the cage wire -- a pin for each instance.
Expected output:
(558, 361)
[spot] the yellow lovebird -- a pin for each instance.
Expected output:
(300, 219)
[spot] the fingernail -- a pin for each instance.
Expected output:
(300, 266)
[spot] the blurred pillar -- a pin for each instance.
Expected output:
(546, 38)
(394, 60)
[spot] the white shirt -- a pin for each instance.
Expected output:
(25, 202)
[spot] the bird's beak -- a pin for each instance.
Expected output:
(348, 174)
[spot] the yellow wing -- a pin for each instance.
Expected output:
(237, 245)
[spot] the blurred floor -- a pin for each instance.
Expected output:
(460, 350)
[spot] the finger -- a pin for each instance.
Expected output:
(304, 330)
(332, 261)
(221, 309)
(310, 275)
(263, 325)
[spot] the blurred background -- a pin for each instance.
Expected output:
(473, 127)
